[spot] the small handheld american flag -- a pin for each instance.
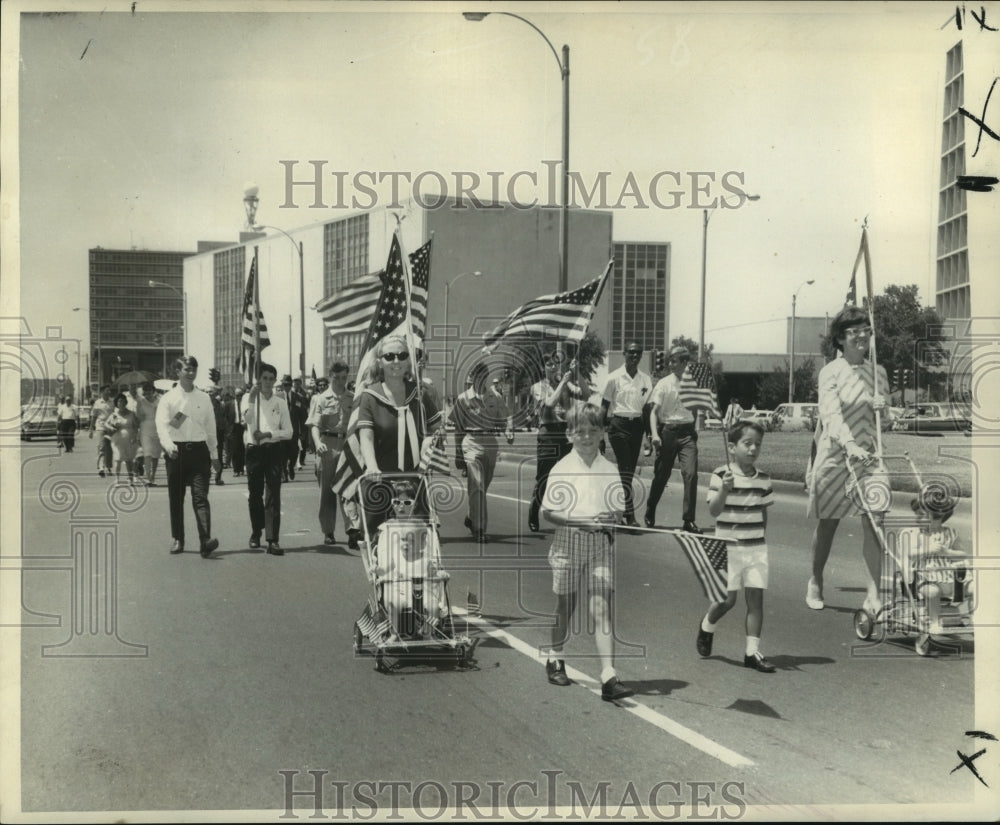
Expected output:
(697, 389)
(710, 560)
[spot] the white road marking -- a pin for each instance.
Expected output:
(664, 723)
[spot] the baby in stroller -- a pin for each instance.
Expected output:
(407, 565)
(932, 560)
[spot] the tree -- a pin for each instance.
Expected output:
(772, 389)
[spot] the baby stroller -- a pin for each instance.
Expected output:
(905, 609)
(408, 614)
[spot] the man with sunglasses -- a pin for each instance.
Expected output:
(627, 390)
(329, 413)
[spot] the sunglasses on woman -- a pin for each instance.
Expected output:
(395, 356)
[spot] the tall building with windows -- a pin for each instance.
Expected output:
(640, 295)
(134, 325)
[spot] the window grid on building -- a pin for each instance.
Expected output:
(229, 275)
(639, 295)
(345, 258)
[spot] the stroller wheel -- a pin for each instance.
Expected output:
(380, 663)
(461, 655)
(923, 644)
(358, 638)
(863, 624)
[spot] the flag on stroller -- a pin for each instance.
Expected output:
(709, 558)
(697, 389)
(433, 458)
(252, 324)
(563, 315)
(373, 621)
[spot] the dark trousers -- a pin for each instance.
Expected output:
(264, 465)
(291, 452)
(552, 445)
(237, 450)
(680, 444)
(67, 434)
(192, 467)
(625, 436)
(220, 445)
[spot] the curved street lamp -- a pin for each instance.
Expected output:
(447, 331)
(477, 16)
(184, 303)
(302, 292)
(791, 348)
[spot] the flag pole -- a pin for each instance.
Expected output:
(871, 322)
(411, 340)
(256, 334)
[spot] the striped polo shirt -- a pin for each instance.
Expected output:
(742, 517)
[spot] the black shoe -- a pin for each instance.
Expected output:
(758, 662)
(219, 481)
(691, 527)
(291, 474)
(613, 690)
(533, 524)
(101, 473)
(275, 549)
(177, 547)
(208, 547)
(556, 671)
(631, 522)
(468, 522)
(704, 642)
(649, 520)
(480, 537)
(353, 536)
(255, 541)
(328, 539)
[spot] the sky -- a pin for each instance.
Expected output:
(143, 128)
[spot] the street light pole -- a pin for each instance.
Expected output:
(477, 16)
(184, 307)
(302, 298)
(447, 331)
(791, 346)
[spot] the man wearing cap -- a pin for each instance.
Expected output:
(674, 437)
(627, 390)
(329, 413)
(479, 414)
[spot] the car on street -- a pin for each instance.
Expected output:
(762, 417)
(39, 420)
(712, 423)
(790, 418)
(934, 418)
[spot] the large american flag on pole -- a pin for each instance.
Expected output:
(864, 254)
(563, 315)
(252, 319)
(710, 560)
(350, 309)
(697, 389)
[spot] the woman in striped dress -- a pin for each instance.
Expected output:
(848, 399)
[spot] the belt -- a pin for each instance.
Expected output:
(678, 425)
(332, 433)
(635, 417)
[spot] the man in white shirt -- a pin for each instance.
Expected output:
(674, 437)
(268, 431)
(185, 426)
(627, 390)
(99, 412)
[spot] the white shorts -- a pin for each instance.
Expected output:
(747, 566)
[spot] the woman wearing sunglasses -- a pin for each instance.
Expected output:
(393, 419)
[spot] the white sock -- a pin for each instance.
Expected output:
(607, 673)
(753, 645)
(707, 626)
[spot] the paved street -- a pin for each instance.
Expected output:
(155, 682)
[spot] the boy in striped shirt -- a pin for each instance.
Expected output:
(738, 497)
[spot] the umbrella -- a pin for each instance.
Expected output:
(163, 384)
(134, 377)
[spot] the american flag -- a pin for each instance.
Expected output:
(863, 255)
(373, 622)
(391, 309)
(563, 315)
(710, 561)
(252, 317)
(433, 458)
(697, 389)
(353, 308)
(350, 309)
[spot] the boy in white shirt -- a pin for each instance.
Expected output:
(584, 499)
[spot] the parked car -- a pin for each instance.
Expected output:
(713, 423)
(796, 417)
(39, 420)
(935, 418)
(762, 417)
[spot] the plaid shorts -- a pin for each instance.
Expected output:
(576, 554)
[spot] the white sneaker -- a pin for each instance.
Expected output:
(935, 628)
(814, 599)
